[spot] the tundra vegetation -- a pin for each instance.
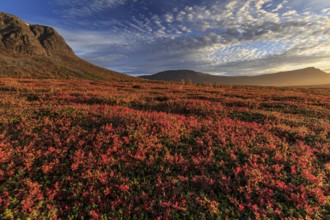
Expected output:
(154, 150)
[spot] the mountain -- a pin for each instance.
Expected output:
(303, 77)
(36, 51)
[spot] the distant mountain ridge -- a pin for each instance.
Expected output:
(37, 51)
(303, 77)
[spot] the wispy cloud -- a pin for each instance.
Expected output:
(230, 36)
(84, 8)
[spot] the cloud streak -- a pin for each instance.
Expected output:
(85, 8)
(232, 37)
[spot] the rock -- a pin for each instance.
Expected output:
(16, 37)
(50, 40)
(19, 37)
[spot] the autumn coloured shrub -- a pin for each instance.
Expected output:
(99, 150)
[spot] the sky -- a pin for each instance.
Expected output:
(221, 37)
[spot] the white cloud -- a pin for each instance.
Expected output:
(326, 10)
(279, 7)
(221, 36)
(85, 8)
(290, 13)
(169, 18)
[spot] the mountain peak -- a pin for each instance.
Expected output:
(19, 37)
(16, 37)
(302, 77)
(312, 68)
(38, 51)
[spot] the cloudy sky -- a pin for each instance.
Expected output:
(227, 37)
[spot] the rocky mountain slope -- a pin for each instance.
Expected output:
(303, 77)
(36, 51)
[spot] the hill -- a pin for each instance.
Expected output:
(36, 51)
(303, 77)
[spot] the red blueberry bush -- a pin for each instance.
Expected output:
(80, 149)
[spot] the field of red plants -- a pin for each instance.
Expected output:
(125, 150)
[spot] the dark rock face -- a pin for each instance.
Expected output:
(50, 40)
(16, 37)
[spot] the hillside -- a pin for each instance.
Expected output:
(36, 51)
(303, 77)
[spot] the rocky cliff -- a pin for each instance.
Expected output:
(17, 37)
